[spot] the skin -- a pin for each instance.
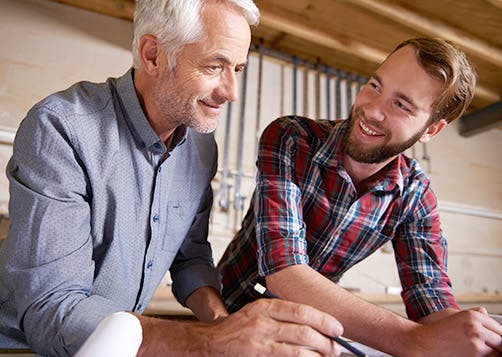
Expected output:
(390, 113)
(193, 94)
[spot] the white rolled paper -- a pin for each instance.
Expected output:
(119, 334)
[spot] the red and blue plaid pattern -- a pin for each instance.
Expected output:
(306, 210)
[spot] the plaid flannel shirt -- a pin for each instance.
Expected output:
(306, 210)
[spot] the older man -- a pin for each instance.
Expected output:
(110, 188)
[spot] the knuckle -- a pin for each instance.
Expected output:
(470, 313)
(256, 323)
(305, 333)
(473, 330)
(300, 311)
(260, 304)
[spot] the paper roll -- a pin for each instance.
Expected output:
(119, 334)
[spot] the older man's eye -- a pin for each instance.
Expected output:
(239, 69)
(213, 69)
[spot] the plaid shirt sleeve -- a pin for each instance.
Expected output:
(421, 256)
(280, 229)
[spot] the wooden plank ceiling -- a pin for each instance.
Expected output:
(356, 35)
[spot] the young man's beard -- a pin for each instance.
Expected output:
(378, 153)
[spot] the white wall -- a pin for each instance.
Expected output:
(47, 46)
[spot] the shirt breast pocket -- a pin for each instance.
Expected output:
(178, 223)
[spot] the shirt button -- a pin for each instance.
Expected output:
(139, 307)
(156, 218)
(149, 265)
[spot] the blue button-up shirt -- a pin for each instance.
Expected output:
(100, 210)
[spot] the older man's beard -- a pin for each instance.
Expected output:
(183, 112)
(376, 154)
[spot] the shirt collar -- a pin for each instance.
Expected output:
(135, 117)
(330, 154)
(394, 176)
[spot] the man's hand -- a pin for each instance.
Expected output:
(273, 327)
(465, 333)
(265, 327)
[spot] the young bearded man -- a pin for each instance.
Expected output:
(330, 193)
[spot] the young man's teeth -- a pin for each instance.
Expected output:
(368, 130)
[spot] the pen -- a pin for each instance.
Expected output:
(262, 290)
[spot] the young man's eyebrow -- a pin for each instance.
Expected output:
(377, 78)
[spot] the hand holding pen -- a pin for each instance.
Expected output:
(262, 290)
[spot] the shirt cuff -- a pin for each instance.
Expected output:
(277, 255)
(197, 276)
(422, 301)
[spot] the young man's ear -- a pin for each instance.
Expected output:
(149, 54)
(433, 130)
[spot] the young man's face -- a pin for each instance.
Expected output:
(204, 77)
(392, 110)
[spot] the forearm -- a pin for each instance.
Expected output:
(206, 304)
(169, 338)
(362, 321)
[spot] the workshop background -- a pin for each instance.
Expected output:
(308, 57)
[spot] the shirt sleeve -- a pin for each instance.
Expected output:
(280, 229)
(50, 260)
(193, 266)
(421, 255)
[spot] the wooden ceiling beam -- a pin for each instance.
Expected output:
(434, 28)
(309, 34)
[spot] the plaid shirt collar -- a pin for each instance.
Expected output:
(330, 154)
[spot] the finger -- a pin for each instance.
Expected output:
(494, 341)
(300, 314)
(306, 336)
(285, 349)
(492, 325)
(496, 318)
(268, 347)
